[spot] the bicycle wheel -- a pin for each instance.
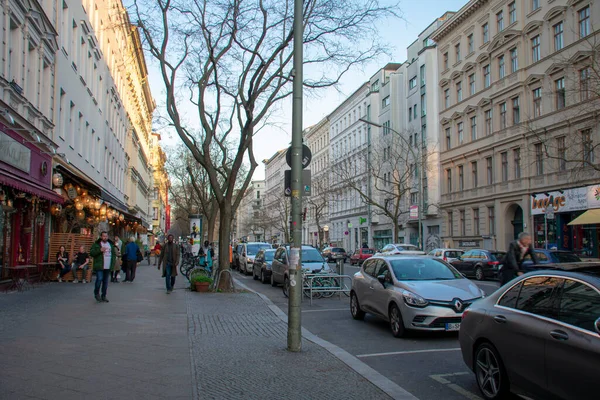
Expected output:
(325, 283)
(306, 289)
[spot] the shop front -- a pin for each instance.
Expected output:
(555, 230)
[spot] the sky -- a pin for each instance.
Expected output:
(398, 33)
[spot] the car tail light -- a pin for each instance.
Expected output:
(465, 314)
(445, 258)
(493, 262)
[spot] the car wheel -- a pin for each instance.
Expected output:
(286, 287)
(357, 313)
(263, 279)
(396, 322)
(489, 372)
(479, 274)
(273, 283)
(254, 274)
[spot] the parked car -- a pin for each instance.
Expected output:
(400, 248)
(479, 264)
(237, 252)
(261, 269)
(334, 253)
(361, 255)
(246, 254)
(447, 255)
(538, 335)
(412, 292)
(311, 261)
(549, 257)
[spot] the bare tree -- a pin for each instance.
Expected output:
(278, 214)
(232, 59)
(319, 202)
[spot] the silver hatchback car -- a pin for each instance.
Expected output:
(412, 293)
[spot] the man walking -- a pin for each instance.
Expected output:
(104, 254)
(170, 256)
(130, 252)
(514, 258)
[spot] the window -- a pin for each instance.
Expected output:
(584, 83)
(386, 127)
(423, 106)
(471, 44)
(410, 113)
(462, 223)
(514, 60)
(512, 13)
(486, 76)
(535, 4)
(459, 92)
(447, 98)
(476, 221)
(459, 129)
(448, 139)
(485, 33)
(457, 52)
(445, 61)
(536, 296)
(450, 224)
(412, 83)
(559, 85)
(424, 135)
(500, 21)
(491, 220)
(504, 158)
(579, 305)
(537, 102)
(561, 153)
(535, 49)
(587, 146)
(502, 115)
(449, 180)
(558, 36)
(474, 174)
(154, 213)
(501, 69)
(385, 102)
(509, 298)
(422, 73)
(516, 111)
(539, 159)
(415, 112)
(473, 128)
(584, 22)
(375, 86)
(517, 160)
(461, 178)
(472, 84)
(490, 170)
(488, 122)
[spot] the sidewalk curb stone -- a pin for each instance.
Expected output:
(386, 385)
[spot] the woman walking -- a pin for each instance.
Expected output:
(115, 274)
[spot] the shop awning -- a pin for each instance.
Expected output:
(590, 217)
(30, 187)
(114, 202)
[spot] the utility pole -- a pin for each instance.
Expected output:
(421, 166)
(294, 336)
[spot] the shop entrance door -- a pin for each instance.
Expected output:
(517, 222)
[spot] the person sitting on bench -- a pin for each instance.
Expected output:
(62, 263)
(81, 262)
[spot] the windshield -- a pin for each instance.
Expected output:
(406, 247)
(367, 251)
(425, 269)
(566, 257)
(311, 256)
(338, 250)
(252, 249)
(453, 253)
(269, 255)
(497, 256)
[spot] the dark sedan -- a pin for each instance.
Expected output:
(549, 257)
(479, 264)
(537, 336)
(261, 269)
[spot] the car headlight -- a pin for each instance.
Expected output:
(413, 299)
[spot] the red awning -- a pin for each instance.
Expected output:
(30, 187)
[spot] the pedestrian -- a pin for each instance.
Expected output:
(117, 272)
(208, 254)
(104, 254)
(62, 263)
(81, 262)
(513, 260)
(169, 259)
(131, 255)
(157, 249)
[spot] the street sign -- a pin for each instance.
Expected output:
(349, 225)
(550, 212)
(306, 156)
(306, 182)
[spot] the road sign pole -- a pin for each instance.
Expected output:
(294, 337)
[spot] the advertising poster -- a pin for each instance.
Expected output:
(195, 232)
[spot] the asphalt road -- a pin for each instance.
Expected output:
(429, 366)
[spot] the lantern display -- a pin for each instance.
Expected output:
(80, 214)
(121, 217)
(97, 204)
(103, 209)
(57, 180)
(79, 206)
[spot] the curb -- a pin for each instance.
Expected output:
(386, 385)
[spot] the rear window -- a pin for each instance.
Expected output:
(367, 251)
(453, 254)
(338, 250)
(566, 257)
(269, 255)
(497, 256)
(255, 248)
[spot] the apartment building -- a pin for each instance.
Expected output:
(517, 119)
(252, 226)
(160, 189)
(277, 209)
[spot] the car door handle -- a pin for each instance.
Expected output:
(371, 287)
(559, 335)
(500, 319)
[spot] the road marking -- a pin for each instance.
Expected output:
(393, 353)
(328, 309)
(441, 379)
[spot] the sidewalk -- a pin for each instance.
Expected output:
(58, 343)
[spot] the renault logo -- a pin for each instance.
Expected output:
(458, 305)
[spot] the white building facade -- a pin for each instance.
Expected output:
(277, 210)
(251, 226)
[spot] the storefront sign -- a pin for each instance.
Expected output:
(414, 212)
(593, 196)
(468, 244)
(14, 153)
(570, 200)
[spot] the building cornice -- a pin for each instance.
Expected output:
(465, 12)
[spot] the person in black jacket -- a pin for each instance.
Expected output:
(514, 258)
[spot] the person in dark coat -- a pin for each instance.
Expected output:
(169, 260)
(515, 255)
(129, 252)
(62, 263)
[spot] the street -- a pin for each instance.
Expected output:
(429, 366)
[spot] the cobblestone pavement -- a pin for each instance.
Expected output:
(58, 343)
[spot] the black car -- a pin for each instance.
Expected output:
(261, 269)
(479, 264)
(334, 253)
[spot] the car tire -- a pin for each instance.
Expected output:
(286, 287)
(273, 283)
(396, 322)
(355, 310)
(254, 274)
(479, 275)
(263, 279)
(488, 366)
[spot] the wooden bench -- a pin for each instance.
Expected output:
(72, 242)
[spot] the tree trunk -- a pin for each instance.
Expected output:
(210, 230)
(224, 241)
(396, 232)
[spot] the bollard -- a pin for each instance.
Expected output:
(340, 266)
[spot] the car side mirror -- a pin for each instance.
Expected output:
(597, 325)
(382, 280)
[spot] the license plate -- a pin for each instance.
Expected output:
(455, 326)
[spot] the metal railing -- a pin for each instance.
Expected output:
(325, 284)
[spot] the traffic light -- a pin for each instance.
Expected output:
(304, 214)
